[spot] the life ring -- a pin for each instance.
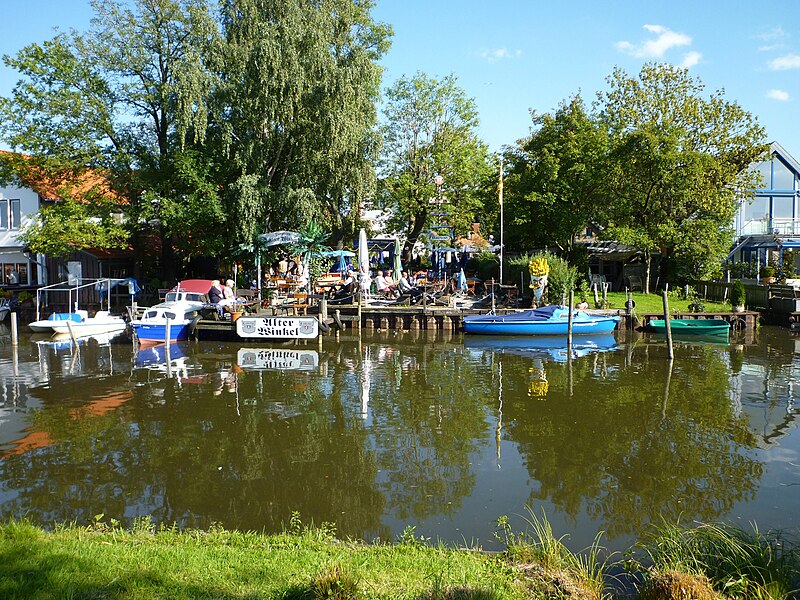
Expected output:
(738, 324)
(324, 327)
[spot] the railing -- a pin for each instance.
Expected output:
(779, 226)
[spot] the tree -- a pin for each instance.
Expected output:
(295, 112)
(125, 97)
(678, 163)
(430, 129)
(556, 177)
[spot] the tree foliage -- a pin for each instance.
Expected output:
(556, 177)
(429, 130)
(678, 162)
(295, 112)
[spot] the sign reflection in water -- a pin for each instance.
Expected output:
(391, 429)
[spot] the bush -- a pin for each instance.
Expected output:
(485, 265)
(738, 294)
(767, 271)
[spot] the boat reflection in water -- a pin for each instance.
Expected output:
(547, 348)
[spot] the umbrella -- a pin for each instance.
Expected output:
(363, 261)
(398, 265)
(462, 281)
(342, 255)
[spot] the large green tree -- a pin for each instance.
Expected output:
(295, 112)
(556, 178)
(430, 129)
(677, 163)
(123, 100)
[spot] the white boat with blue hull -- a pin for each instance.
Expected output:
(178, 313)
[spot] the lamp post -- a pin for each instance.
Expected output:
(438, 180)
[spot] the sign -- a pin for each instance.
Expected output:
(304, 328)
(276, 238)
(274, 359)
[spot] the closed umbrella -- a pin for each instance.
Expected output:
(363, 262)
(398, 265)
(462, 281)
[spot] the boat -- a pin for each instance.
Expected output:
(179, 311)
(5, 308)
(692, 326)
(548, 320)
(102, 322)
(46, 325)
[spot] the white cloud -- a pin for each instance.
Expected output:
(780, 95)
(784, 63)
(773, 35)
(690, 59)
(492, 56)
(656, 47)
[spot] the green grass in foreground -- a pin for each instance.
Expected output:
(704, 562)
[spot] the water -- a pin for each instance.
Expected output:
(375, 434)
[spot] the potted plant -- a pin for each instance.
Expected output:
(738, 296)
(767, 274)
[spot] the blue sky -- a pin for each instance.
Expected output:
(517, 55)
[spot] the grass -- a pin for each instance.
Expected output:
(735, 562)
(109, 562)
(653, 303)
(710, 561)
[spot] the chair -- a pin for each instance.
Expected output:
(634, 282)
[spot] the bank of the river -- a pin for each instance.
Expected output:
(102, 561)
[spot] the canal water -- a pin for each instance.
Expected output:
(376, 433)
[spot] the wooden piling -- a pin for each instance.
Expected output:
(569, 322)
(667, 326)
(14, 330)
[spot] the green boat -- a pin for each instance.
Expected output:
(692, 326)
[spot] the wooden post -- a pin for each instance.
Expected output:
(596, 298)
(323, 307)
(569, 322)
(358, 320)
(14, 330)
(667, 327)
(72, 333)
(166, 332)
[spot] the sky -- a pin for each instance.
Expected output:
(514, 56)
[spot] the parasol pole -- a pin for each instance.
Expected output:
(500, 199)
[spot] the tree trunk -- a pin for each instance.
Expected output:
(413, 236)
(647, 264)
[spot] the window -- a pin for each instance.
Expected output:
(15, 215)
(765, 170)
(15, 273)
(757, 209)
(783, 178)
(782, 208)
(10, 214)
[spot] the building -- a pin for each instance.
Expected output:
(771, 222)
(21, 199)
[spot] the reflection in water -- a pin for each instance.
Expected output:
(377, 432)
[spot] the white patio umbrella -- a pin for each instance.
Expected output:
(398, 264)
(363, 262)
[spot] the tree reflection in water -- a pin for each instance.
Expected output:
(389, 426)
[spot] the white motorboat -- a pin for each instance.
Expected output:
(5, 308)
(101, 322)
(46, 325)
(178, 310)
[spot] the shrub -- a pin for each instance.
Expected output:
(766, 271)
(485, 265)
(738, 294)
(561, 279)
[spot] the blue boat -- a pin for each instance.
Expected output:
(548, 320)
(179, 309)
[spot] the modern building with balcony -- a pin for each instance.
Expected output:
(770, 223)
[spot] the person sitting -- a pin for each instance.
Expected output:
(384, 286)
(345, 289)
(215, 295)
(405, 286)
(228, 296)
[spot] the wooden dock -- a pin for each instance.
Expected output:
(418, 318)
